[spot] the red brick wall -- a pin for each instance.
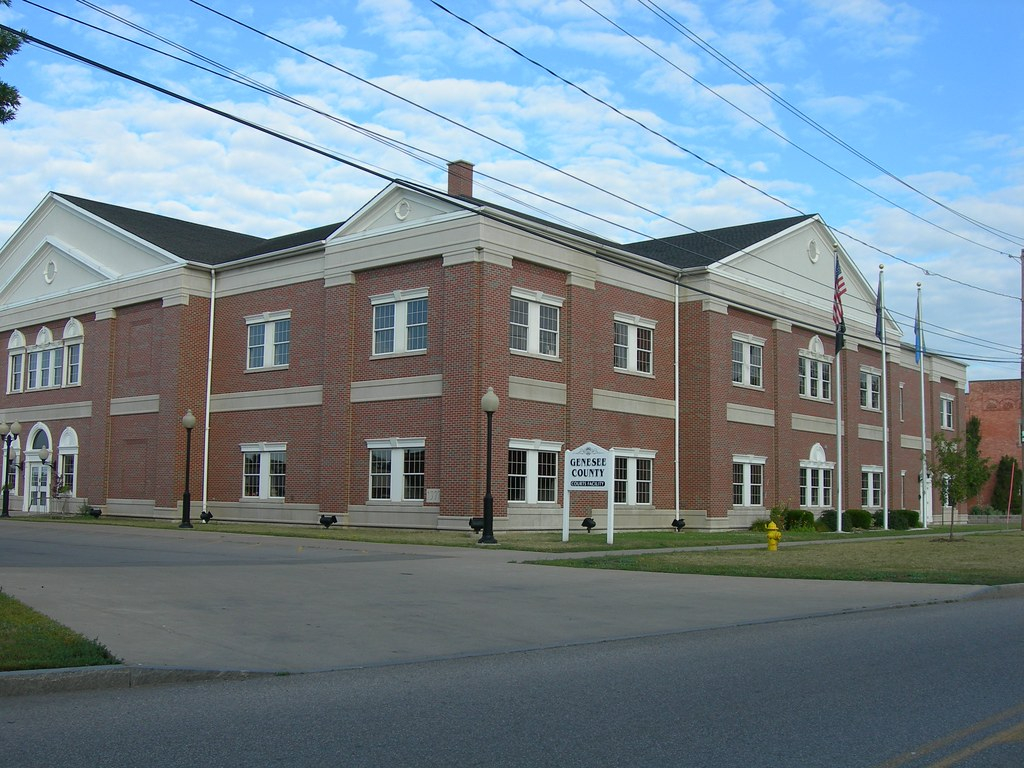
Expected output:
(996, 403)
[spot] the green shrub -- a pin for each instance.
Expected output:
(828, 518)
(904, 519)
(984, 509)
(799, 520)
(858, 518)
(760, 526)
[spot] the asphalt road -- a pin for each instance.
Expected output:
(935, 685)
(222, 601)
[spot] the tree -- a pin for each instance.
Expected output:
(960, 466)
(1007, 483)
(10, 42)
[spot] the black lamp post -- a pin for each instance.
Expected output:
(489, 402)
(8, 433)
(188, 421)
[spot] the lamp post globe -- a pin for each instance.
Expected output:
(188, 421)
(489, 403)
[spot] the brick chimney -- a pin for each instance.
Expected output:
(460, 178)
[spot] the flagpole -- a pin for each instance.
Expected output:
(880, 331)
(919, 353)
(840, 323)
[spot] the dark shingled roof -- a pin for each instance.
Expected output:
(213, 246)
(197, 242)
(193, 242)
(702, 249)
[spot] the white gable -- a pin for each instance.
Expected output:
(797, 266)
(61, 248)
(398, 207)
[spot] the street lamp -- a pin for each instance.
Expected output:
(8, 433)
(489, 402)
(46, 461)
(188, 421)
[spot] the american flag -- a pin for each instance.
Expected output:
(837, 305)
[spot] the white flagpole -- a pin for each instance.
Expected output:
(839, 445)
(840, 323)
(919, 351)
(885, 401)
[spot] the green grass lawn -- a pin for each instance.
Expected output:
(579, 540)
(993, 558)
(30, 640)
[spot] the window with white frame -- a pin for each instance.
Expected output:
(12, 466)
(48, 363)
(73, 334)
(269, 340)
(634, 476)
(533, 471)
(748, 481)
(264, 468)
(633, 344)
(533, 322)
(400, 322)
(870, 487)
(815, 371)
(67, 449)
(816, 479)
(398, 469)
(901, 401)
(871, 389)
(946, 412)
(747, 354)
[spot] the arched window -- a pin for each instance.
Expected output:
(47, 364)
(67, 462)
(73, 337)
(16, 362)
(815, 371)
(816, 479)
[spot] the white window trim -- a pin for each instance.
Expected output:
(400, 299)
(633, 323)
(397, 445)
(269, 319)
(534, 300)
(947, 401)
(748, 341)
(264, 449)
(747, 460)
(631, 455)
(533, 449)
(872, 374)
(872, 472)
(805, 356)
(822, 466)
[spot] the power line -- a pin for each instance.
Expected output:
(693, 154)
(669, 19)
(783, 137)
(249, 83)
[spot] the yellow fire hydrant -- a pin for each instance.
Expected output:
(774, 534)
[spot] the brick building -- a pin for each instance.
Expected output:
(339, 370)
(996, 403)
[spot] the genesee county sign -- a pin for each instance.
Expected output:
(589, 468)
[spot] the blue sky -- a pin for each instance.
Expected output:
(922, 100)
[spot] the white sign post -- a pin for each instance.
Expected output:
(589, 468)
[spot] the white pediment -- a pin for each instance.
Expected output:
(798, 267)
(398, 207)
(60, 249)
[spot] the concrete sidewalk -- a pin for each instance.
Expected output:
(230, 603)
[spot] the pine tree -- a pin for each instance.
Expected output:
(10, 42)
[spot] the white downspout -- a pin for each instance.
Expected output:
(209, 385)
(676, 419)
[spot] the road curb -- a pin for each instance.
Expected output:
(38, 681)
